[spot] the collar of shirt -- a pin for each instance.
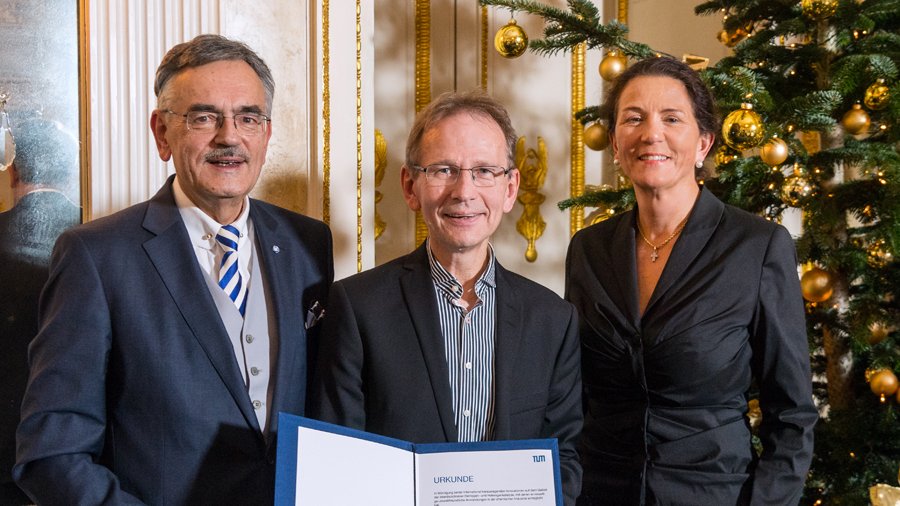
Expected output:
(201, 227)
(202, 230)
(450, 286)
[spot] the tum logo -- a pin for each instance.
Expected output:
(538, 458)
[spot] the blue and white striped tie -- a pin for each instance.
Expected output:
(229, 275)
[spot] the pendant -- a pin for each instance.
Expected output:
(654, 255)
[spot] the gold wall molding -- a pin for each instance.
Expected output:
(576, 216)
(84, 107)
(359, 154)
(326, 116)
(484, 47)
(380, 168)
(423, 80)
(532, 165)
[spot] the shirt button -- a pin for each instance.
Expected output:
(257, 404)
(468, 365)
(254, 371)
(468, 319)
(466, 412)
(249, 338)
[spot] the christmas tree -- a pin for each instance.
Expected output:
(811, 122)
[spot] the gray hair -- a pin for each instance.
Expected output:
(46, 154)
(476, 103)
(210, 48)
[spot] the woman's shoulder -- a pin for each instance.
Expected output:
(601, 231)
(749, 223)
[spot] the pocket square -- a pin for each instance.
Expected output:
(314, 314)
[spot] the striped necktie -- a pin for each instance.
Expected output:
(229, 275)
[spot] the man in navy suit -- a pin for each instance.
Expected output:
(444, 344)
(174, 331)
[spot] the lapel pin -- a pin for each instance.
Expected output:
(276, 249)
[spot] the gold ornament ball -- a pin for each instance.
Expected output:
(883, 383)
(796, 187)
(774, 152)
(856, 121)
(877, 95)
(612, 65)
(878, 332)
(725, 155)
(819, 9)
(596, 137)
(511, 40)
(743, 129)
(816, 285)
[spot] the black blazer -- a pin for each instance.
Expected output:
(666, 391)
(382, 366)
(135, 395)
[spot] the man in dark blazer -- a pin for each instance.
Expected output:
(46, 160)
(444, 344)
(149, 382)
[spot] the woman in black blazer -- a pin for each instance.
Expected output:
(684, 302)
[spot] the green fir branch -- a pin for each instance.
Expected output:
(848, 73)
(884, 12)
(880, 42)
(581, 23)
(812, 111)
(589, 114)
(616, 200)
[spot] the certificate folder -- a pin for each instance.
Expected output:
(321, 464)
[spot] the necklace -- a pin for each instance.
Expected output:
(654, 255)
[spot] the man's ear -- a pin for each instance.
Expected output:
(408, 183)
(511, 190)
(159, 129)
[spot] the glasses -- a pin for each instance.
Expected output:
(443, 175)
(248, 123)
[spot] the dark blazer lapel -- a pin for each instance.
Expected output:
(697, 231)
(418, 294)
(620, 259)
(277, 258)
(506, 350)
(172, 255)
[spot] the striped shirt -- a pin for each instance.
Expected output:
(469, 349)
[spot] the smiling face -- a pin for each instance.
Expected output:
(461, 216)
(656, 139)
(217, 169)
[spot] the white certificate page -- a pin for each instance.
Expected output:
(336, 470)
(491, 478)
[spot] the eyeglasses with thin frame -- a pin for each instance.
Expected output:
(247, 123)
(443, 175)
